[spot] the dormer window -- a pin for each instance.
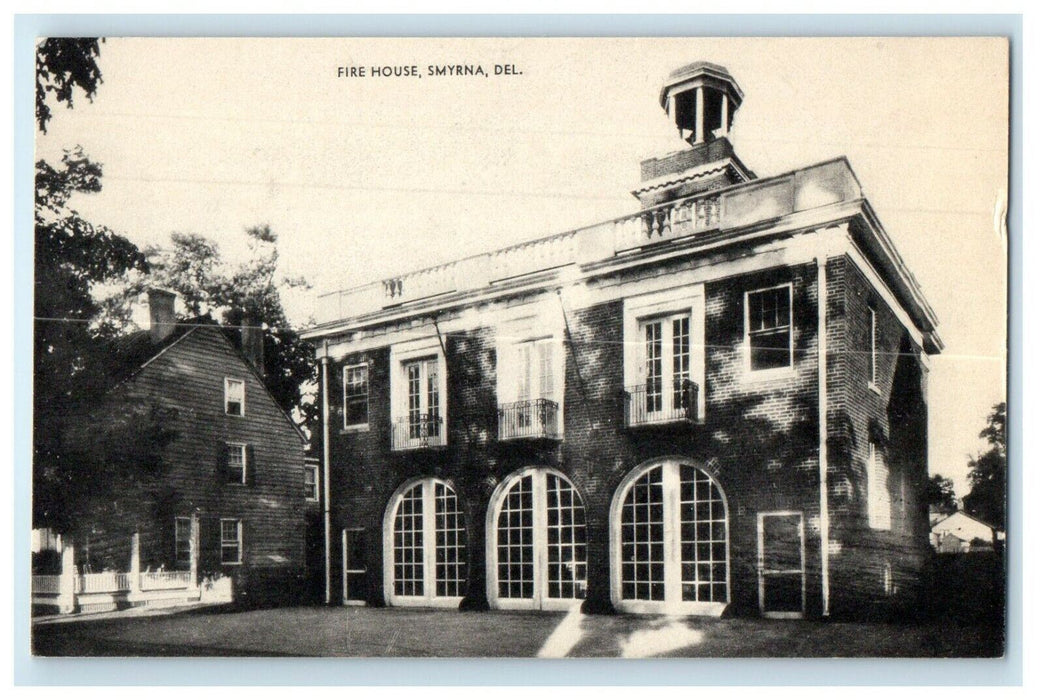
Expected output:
(235, 397)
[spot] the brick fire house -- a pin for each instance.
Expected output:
(716, 403)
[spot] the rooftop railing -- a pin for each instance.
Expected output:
(732, 207)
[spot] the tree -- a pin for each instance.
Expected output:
(250, 292)
(988, 473)
(62, 65)
(939, 494)
(72, 258)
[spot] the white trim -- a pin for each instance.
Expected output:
(672, 603)
(761, 563)
(239, 541)
(540, 599)
(872, 382)
(188, 524)
(821, 421)
(242, 404)
(314, 469)
(354, 427)
(583, 291)
(750, 374)
(429, 599)
(345, 600)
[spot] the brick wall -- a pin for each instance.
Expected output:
(759, 439)
(893, 416)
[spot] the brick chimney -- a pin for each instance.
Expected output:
(252, 342)
(161, 314)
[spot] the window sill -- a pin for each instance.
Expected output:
(358, 428)
(751, 376)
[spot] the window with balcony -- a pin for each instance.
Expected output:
(667, 394)
(769, 329)
(419, 421)
(663, 357)
(356, 397)
(531, 408)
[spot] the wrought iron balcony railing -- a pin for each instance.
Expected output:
(658, 403)
(537, 418)
(418, 431)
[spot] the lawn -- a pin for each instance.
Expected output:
(403, 632)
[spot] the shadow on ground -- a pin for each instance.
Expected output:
(397, 632)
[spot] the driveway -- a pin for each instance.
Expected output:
(370, 632)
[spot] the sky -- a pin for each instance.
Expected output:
(366, 177)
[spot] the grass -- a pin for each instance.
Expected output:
(374, 632)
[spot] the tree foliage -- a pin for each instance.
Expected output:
(76, 473)
(988, 472)
(109, 462)
(249, 292)
(62, 66)
(939, 494)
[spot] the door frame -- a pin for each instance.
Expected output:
(761, 564)
(345, 571)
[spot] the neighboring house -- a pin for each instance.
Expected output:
(961, 532)
(235, 473)
(718, 401)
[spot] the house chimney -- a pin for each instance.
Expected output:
(161, 314)
(252, 342)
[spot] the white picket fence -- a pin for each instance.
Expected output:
(164, 580)
(105, 582)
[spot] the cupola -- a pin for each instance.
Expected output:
(701, 99)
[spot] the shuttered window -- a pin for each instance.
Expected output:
(231, 541)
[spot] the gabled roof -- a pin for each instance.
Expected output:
(965, 515)
(131, 353)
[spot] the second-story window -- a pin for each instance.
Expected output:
(664, 363)
(311, 482)
(235, 397)
(769, 329)
(356, 396)
(423, 413)
(533, 364)
(235, 463)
